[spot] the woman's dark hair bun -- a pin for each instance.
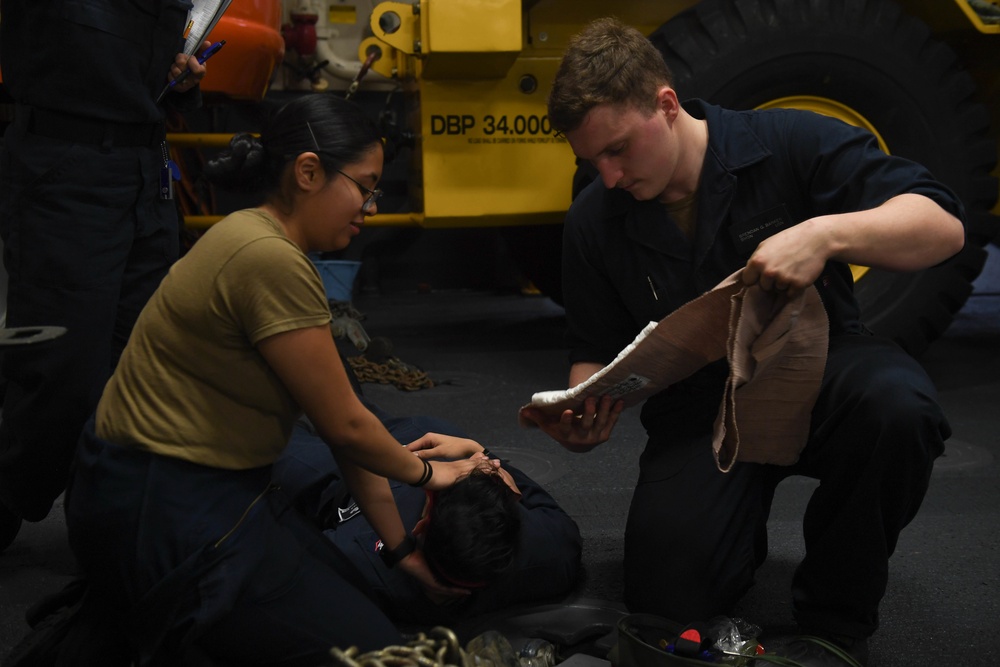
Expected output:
(337, 130)
(241, 167)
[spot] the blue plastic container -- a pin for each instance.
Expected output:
(338, 277)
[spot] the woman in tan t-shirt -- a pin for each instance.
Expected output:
(171, 511)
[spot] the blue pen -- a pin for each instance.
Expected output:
(206, 54)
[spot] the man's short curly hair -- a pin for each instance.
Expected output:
(608, 62)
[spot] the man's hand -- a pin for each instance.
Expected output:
(789, 261)
(579, 432)
(909, 232)
(416, 566)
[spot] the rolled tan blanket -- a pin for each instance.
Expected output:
(776, 348)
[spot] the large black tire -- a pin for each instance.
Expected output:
(537, 249)
(869, 57)
(10, 526)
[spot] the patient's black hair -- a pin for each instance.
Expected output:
(473, 530)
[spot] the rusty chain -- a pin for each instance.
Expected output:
(439, 648)
(391, 371)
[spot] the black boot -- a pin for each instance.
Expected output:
(10, 525)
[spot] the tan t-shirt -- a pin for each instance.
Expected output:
(685, 214)
(191, 383)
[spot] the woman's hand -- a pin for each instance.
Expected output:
(469, 455)
(447, 473)
(579, 432)
(416, 566)
(437, 446)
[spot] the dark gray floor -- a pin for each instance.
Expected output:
(490, 352)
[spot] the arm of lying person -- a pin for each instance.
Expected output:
(546, 522)
(376, 502)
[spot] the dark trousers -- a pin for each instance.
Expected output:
(695, 536)
(213, 558)
(86, 242)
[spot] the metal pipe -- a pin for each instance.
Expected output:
(381, 220)
(221, 140)
(200, 139)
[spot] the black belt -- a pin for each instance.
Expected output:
(80, 130)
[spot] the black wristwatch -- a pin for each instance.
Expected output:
(392, 556)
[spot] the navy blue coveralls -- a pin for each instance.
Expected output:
(172, 566)
(546, 567)
(87, 237)
(273, 589)
(695, 536)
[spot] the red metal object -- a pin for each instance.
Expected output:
(300, 34)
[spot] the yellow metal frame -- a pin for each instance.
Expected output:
(199, 139)
(479, 74)
(827, 107)
(469, 39)
(380, 220)
(221, 140)
(977, 20)
(487, 152)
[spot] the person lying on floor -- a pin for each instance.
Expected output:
(497, 533)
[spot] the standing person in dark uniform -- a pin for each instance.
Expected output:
(688, 194)
(87, 234)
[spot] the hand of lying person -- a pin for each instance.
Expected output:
(447, 473)
(416, 566)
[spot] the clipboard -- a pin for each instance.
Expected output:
(201, 19)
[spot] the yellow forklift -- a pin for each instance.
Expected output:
(461, 87)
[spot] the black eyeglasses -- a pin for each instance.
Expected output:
(371, 196)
